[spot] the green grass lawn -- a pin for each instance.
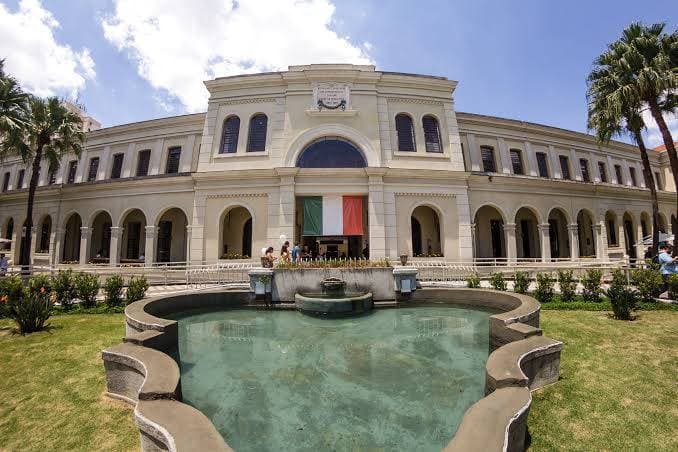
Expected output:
(618, 391)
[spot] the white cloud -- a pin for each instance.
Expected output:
(653, 135)
(178, 44)
(42, 65)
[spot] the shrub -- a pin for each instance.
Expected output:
(31, 310)
(649, 283)
(497, 281)
(87, 289)
(473, 281)
(521, 282)
(136, 290)
(113, 290)
(673, 287)
(568, 285)
(63, 285)
(11, 288)
(544, 290)
(40, 283)
(591, 291)
(622, 299)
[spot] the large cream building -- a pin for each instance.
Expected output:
(433, 181)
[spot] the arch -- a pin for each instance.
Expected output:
(630, 239)
(71, 247)
(332, 130)
(133, 236)
(612, 228)
(425, 224)
(527, 233)
(331, 152)
(235, 223)
(432, 138)
(489, 239)
(229, 135)
(405, 133)
(44, 234)
(559, 237)
(663, 225)
(533, 210)
(587, 245)
(8, 230)
(171, 237)
(100, 242)
(645, 224)
(257, 131)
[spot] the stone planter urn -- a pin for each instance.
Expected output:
(403, 259)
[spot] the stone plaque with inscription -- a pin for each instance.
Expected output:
(331, 96)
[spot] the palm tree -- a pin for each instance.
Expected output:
(611, 113)
(50, 133)
(13, 103)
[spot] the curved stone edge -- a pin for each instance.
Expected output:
(345, 305)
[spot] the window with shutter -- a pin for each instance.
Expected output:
(20, 179)
(405, 132)
(632, 173)
(517, 161)
(144, 161)
(45, 232)
(564, 167)
(256, 140)
(618, 172)
(602, 170)
(51, 176)
(229, 136)
(116, 171)
(93, 169)
(542, 165)
(5, 182)
(584, 165)
(173, 159)
(72, 170)
(431, 134)
(487, 155)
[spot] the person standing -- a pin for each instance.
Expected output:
(296, 253)
(269, 258)
(285, 252)
(4, 264)
(668, 264)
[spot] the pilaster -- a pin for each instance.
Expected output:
(510, 235)
(473, 152)
(149, 248)
(116, 239)
(85, 237)
(544, 242)
(376, 215)
(573, 230)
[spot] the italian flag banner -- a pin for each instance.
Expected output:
(333, 215)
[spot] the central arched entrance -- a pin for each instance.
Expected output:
(331, 152)
(236, 234)
(425, 232)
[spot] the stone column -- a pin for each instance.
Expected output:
(464, 219)
(53, 248)
(473, 152)
(85, 237)
(531, 160)
(151, 242)
(600, 241)
(375, 213)
(640, 248)
(556, 172)
(286, 210)
(545, 242)
(510, 235)
(197, 255)
(189, 232)
(116, 239)
(576, 167)
(34, 244)
(59, 235)
(506, 166)
(573, 230)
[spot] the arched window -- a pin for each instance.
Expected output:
(229, 136)
(331, 152)
(10, 229)
(256, 141)
(431, 134)
(405, 131)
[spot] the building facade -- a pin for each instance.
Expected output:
(421, 178)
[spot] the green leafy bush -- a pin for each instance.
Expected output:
(63, 285)
(649, 283)
(673, 287)
(592, 291)
(136, 290)
(521, 282)
(87, 289)
(497, 281)
(473, 281)
(41, 283)
(113, 290)
(622, 298)
(11, 288)
(568, 285)
(32, 309)
(544, 290)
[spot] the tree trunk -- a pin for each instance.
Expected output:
(649, 183)
(673, 158)
(26, 243)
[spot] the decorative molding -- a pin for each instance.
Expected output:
(412, 100)
(435, 195)
(236, 195)
(252, 100)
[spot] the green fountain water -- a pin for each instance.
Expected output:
(398, 379)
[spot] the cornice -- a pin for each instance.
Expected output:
(415, 100)
(251, 100)
(172, 121)
(433, 195)
(236, 195)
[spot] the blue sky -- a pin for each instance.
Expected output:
(521, 59)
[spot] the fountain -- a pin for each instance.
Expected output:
(333, 301)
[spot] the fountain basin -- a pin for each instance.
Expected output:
(328, 305)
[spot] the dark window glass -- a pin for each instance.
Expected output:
(93, 169)
(432, 134)
(542, 165)
(173, 158)
(45, 231)
(51, 176)
(405, 132)
(618, 172)
(116, 171)
(133, 240)
(229, 136)
(517, 161)
(584, 165)
(5, 182)
(564, 167)
(611, 232)
(487, 155)
(72, 169)
(632, 173)
(603, 172)
(331, 153)
(256, 140)
(20, 179)
(144, 161)
(10, 229)
(658, 181)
